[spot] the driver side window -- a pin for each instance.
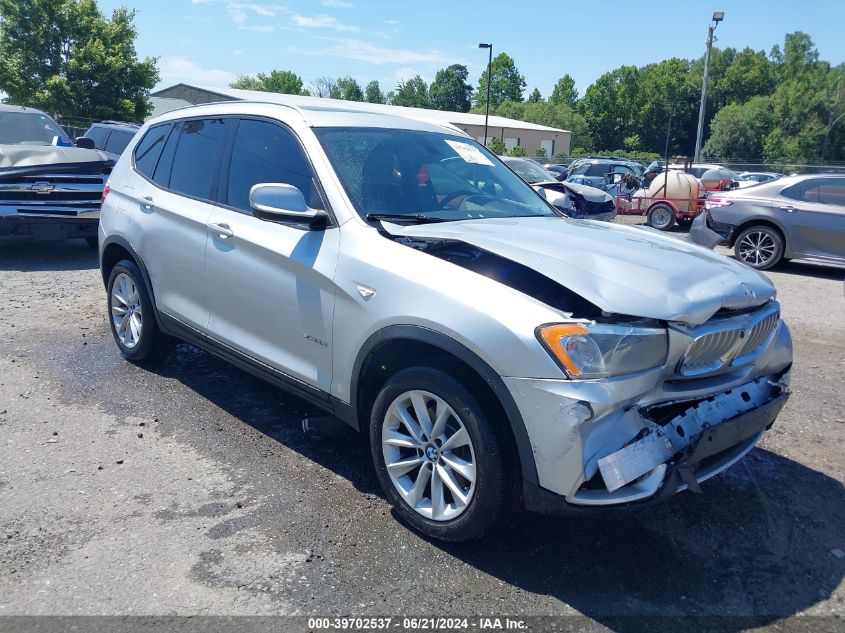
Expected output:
(266, 152)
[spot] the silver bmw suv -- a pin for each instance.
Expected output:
(399, 276)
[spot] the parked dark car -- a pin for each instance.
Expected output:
(788, 218)
(111, 136)
(575, 201)
(599, 173)
(49, 189)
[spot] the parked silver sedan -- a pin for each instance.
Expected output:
(788, 218)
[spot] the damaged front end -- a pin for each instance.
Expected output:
(675, 451)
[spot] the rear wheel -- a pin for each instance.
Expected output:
(661, 216)
(760, 247)
(131, 316)
(442, 461)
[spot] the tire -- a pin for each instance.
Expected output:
(759, 246)
(661, 216)
(91, 240)
(136, 332)
(480, 448)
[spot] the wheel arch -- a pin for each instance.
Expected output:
(116, 248)
(758, 221)
(399, 344)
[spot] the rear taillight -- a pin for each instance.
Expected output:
(715, 203)
(106, 190)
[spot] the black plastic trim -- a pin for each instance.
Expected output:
(467, 356)
(174, 327)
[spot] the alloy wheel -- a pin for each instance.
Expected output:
(429, 455)
(127, 315)
(757, 248)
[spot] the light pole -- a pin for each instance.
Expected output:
(718, 16)
(489, 79)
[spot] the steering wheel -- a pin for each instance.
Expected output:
(457, 194)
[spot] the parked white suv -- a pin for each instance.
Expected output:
(399, 276)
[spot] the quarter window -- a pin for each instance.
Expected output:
(98, 135)
(265, 152)
(149, 149)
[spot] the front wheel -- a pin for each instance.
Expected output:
(661, 216)
(760, 247)
(442, 461)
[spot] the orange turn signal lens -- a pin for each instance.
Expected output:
(552, 336)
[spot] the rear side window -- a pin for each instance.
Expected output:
(597, 170)
(194, 171)
(98, 135)
(267, 152)
(822, 190)
(149, 149)
(118, 140)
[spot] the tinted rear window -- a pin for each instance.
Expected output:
(98, 135)
(597, 170)
(118, 140)
(149, 149)
(194, 170)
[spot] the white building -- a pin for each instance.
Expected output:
(528, 135)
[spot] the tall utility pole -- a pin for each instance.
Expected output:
(718, 16)
(489, 81)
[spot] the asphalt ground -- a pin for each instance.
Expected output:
(189, 488)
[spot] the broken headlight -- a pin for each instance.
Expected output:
(601, 350)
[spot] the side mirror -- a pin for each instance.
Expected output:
(277, 202)
(85, 143)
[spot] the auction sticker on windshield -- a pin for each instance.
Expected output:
(469, 153)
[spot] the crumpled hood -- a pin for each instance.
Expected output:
(37, 155)
(621, 269)
(591, 194)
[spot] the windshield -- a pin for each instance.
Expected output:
(530, 171)
(30, 128)
(426, 175)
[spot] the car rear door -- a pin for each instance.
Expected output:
(176, 205)
(270, 285)
(813, 212)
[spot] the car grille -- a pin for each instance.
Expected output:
(723, 343)
(53, 194)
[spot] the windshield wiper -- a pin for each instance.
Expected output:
(419, 218)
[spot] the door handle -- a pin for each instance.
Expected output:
(223, 231)
(789, 208)
(147, 202)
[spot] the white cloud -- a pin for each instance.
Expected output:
(322, 22)
(337, 4)
(176, 70)
(364, 51)
(392, 22)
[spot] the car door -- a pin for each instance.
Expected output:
(813, 212)
(176, 207)
(270, 285)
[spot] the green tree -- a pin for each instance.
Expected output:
(739, 131)
(518, 150)
(350, 89)
(565, 91)
(281, 81)
(751, 74)
(507, 83)
(373, 93)
(66, 57)
(497, 146)
(611, 105)
(450, 90)
(535, 96)
(412, 93)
